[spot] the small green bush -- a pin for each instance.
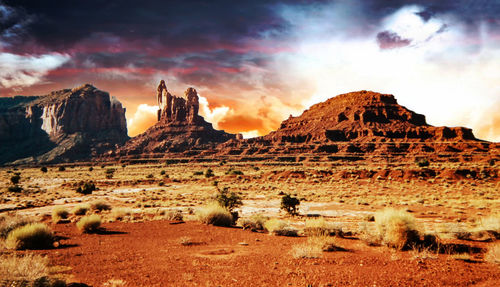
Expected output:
(228, 200)
(289, 204)
(215, 214)
(15, 179)
(62, 168)
(43, 169)
(91, 168)
(30, 236)
(89, 223)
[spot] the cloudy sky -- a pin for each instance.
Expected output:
(256, 62)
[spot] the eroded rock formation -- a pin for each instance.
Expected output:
(64, 125)
(179, 130)
(358, 125)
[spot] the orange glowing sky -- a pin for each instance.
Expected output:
(254, 64)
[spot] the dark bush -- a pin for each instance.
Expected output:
(289, 204)
(15, 188)
(86, 187)
(62, 168)
(15, 179)
(228, 200)
(422, 162)
(43, 169)
(209, 173)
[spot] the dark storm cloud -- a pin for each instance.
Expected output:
(191, 24)
(176, 27)
(391, 40)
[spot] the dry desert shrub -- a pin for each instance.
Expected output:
(81, 209)
(397, 228)
(59, 213)
(89, 223)
(100, 205)
(114, 283)
(280, 228)
(27, 267)
(306, 250)
(215, 214)
(254, 223)
(30, 236)
(315, 246)
(326, 243)
(491, 225)
(185, 241)
(319, 227)
(174, 215)
(493, 254)
(121, 213)
(9, 223)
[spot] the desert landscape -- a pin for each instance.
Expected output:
(272, 143)
(296, 207)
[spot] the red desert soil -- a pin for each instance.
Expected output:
(150, 254)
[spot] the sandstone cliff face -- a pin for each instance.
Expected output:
(179, 130)
(63, 125)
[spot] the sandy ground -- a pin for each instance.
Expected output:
(150, 254)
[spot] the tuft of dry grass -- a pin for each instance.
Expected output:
(59, 213)
(215, 214)
(493, 253)
(174, 215)
(9, 223)
(490, 224)
(81, 209)
(396, 228)
(89, 223)
(326, 243)
(319, 227)
(254, 223)
(30, 236)
(185, 241)
(121, 213)
(100, 205)
(114, 283)
(280, 228)
(28, 267)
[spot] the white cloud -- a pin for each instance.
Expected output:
(23, 71)
(440, 77)
(214, 115)
(144, 117)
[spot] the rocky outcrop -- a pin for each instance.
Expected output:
(360, 124)
(180, 130)
(64, 125)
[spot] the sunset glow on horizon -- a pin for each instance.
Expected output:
(254, 64)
